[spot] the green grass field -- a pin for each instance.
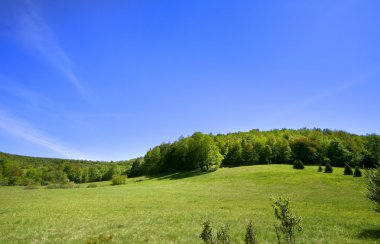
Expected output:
(171, 208)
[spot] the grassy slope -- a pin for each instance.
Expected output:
(171, 208)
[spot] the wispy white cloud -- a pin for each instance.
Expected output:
(21, 129)
(38, 35)
(29, 98)
(328, 93)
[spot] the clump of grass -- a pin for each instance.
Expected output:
(250, 234)
(92, 185)
(68, 185)
(99, 239)
(31, 187)
(206, 234)
(223, 235)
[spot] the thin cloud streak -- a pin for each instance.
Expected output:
(25, 131)
(37, 33)
(321, 96)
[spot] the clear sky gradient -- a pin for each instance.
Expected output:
(107, 80)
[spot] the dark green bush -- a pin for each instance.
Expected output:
(357, 172)
(206, 234)
(118, 179)
(250, 234)
(328, 168)
(348, 170)
(320, 168)
(298, 164)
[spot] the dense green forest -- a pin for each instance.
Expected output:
(310, 146)
(23, 170)
(206, 152)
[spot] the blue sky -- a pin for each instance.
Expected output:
(107, 80)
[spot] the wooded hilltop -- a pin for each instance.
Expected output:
(205, 152)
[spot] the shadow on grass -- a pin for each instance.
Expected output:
(370, 234)
(178, 175)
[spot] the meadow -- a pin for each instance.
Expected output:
(171, 208)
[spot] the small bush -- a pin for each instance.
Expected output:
(328, 168)
(118, 179)
(206, 234)
(223, 235)
(298, 164)
(348, 170)
(250, 234)
(288, 223)
(357, 172)
(92, 185)
(320, 168)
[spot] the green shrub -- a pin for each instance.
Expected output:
(357, 172)
(250, 234)
(206, 234)
(298, 164)
(328, 168)
(348, 170)
(288, 223)
(118, 179)
(92, 185)
(320, 168)
(223, 235)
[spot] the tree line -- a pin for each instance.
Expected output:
(208, 152)
(23, 170)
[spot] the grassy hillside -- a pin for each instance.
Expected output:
(171, 208)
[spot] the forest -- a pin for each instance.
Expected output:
(24, 170)
(206, 152)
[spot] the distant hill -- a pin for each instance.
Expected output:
(24, 170)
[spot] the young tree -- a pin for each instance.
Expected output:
(357, 172)
(348, 170)
(328, 168)
(373, 187)
(298, 164)
(288, 222)
(320, 168)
